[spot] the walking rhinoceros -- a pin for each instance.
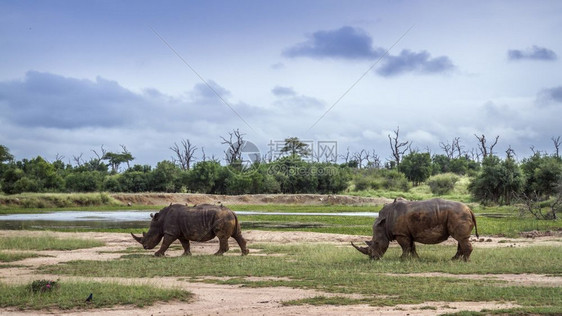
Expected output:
(199, 223)
(428, 222)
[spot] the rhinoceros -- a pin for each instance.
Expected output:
(199, 223)
(428, 222)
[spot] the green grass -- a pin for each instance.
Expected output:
(343, 270)
(16, 256)
(56, 200)
(70, 295)
(46, 243)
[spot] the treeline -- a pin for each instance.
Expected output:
(285, 175)
(534, 181)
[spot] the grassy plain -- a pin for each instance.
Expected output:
(325, 267)
(70, 295)
(46, 243)
(333, 269)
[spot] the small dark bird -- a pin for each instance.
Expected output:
(89, 299)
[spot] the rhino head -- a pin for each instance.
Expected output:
(377, 246)
(155, 233)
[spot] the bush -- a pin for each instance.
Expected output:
(361, 183)
(416, 166)
(498, 181)
(88, 181)
(442, 183)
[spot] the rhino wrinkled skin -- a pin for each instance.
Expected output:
(428, 222)
(198, 223)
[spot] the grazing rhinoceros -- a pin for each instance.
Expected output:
(429, 222)
(199, 223)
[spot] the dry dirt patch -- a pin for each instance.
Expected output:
(194, 198)
(237, 300)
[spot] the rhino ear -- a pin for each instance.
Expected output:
(156, 216)
(381, 222)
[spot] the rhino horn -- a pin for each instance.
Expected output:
(363, 250)
(136, 238)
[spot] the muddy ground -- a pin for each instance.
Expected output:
(213, 299)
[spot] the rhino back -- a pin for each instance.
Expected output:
(196, 223)
(431, 221)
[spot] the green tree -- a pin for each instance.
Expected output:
(441, 164)
(416, 166)
(165, 177)
(5, 155)
(498, 181)
(86, 181)
(542, 174)
(294, 147)
(204, 176)
(12, 175)
(116, 159)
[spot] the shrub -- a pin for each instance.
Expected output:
(361, 183)
(43, 286)
(498, 181)
(442, 183)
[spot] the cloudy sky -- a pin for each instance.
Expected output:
(78, 75)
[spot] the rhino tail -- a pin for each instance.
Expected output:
(475, 226)
(237, 229)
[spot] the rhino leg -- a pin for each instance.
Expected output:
(466, 249)
(223, 245)
(242, 243)
(408, 247)
(186, 247)
(166, 242)
(458, 255)
(413, 252)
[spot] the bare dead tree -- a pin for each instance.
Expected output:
(533, 204)
(473, 155)
(59, 157)
(102, 150)
(78, 159)
(484, 149)
(456, 146)
(346, 157)
(204, 158)
(235, 142)
(448, 149)
(185, 154)
(374, 161)
(398, 148)
(510, 153)
(360, 158)
(556, 142)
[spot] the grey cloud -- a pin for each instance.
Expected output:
(346, 42)
(550, 96)
(48, 100)
(288, 98)
(409, 61)
(533, 53)
(203, 91)
(353, 43)
(283, 91)
(44, 100)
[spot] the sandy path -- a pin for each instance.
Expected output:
(217, 299)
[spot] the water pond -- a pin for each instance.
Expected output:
(117, 219)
